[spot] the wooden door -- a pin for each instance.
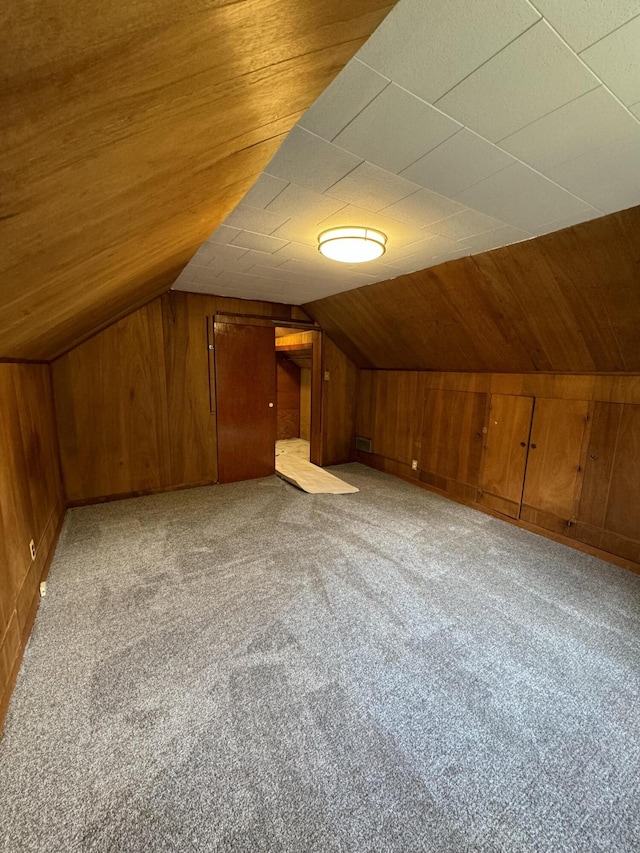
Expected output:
(505, 453)
(452, 439)
(246, 394)
(609, 513)
(553, 465)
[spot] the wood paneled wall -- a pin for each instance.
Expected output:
(305, 403)
(31, 506)
(136, 403)
(566, 302)
(559, 454)
(111, 403)
(288, 398)
(339, 384)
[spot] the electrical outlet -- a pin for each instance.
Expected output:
(43, 589)
(32, 549)
(414, 464)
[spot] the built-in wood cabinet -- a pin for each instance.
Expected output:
(609, 510)
(452, 438)
(553, 475)
(560, 453)
(505, 453)
(577, 475)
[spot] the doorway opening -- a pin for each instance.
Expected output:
(267, 387)
(298, 427)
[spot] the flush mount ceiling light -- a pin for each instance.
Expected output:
(352, 245)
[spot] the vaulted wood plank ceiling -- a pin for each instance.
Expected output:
(567, 301)
(130, 130)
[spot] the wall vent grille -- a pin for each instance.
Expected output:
(363, 444)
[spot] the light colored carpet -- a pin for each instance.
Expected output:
(293, 465)
(249, 668)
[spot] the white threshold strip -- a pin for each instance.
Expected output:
(310, 478)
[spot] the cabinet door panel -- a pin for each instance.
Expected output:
(554, 456)
(505, 452)
(609, 514)
(452, 435)
(599, 463)
(623, 504)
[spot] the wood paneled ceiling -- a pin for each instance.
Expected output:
(567, 301)
(129, 132)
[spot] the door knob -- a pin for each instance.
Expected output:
(523, 444)
(271, 405)
(533, 446)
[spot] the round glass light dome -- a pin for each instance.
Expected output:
(352, 245)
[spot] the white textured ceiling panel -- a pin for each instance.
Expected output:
(522, 197)
(532, 76)
(583, 22)
(306, 159)
(428, 47)
(368, 137)
(345, 98)
(422, 208)
(590, 122)
(461, 161)
(265, 189)
(463, 225)
(370, 187)
(262, 221)
(616, 60)
(459, 127)
(608, 178)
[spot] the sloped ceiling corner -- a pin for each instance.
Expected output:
(567, 301)
(129, 132)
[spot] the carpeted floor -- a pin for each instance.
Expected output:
(251, 668)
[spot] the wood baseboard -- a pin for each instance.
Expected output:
(395, 469)
(141, 493)
(26, 632)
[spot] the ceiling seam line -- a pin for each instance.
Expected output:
(586, 65)
(493, 56)
(606, 35)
